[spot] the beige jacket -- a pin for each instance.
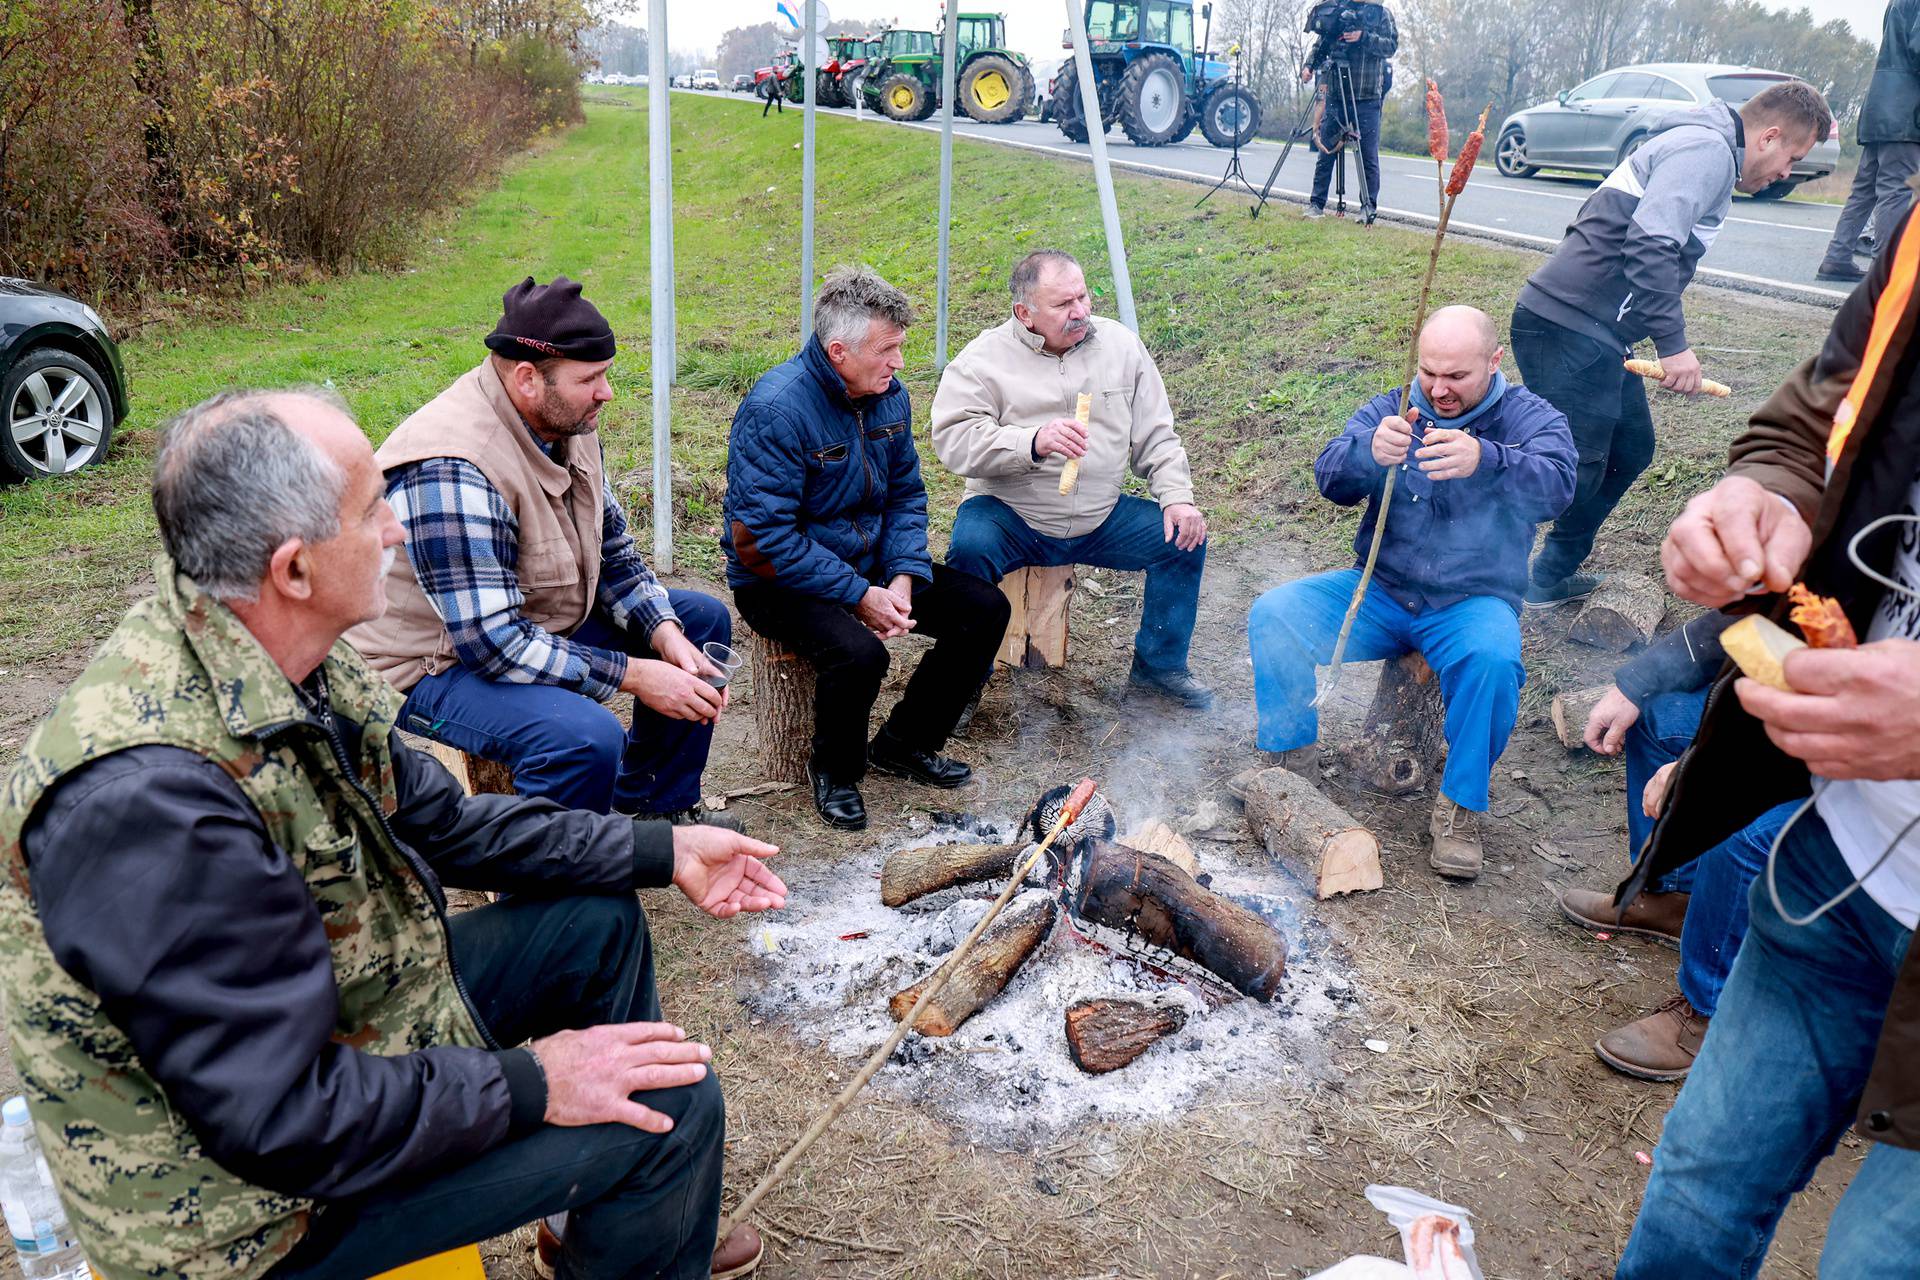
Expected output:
(999, 392)
(559, 510)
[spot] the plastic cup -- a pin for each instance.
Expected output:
(724, 659)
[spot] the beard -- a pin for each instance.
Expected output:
(554, 418)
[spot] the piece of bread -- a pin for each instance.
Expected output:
(1070, 474)
(1652, 369)
(1760, 648)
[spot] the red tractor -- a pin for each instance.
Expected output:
(771, 81)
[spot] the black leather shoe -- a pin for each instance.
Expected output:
(839, 803)
(1844, 271)
(1178, 685)
(890, 755)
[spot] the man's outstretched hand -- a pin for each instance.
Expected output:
(591, 1073)
(721, 871)
(1183, 525)
(1734, 539)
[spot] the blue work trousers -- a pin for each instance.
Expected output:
(1778, 1080)
(990, 540)
(564, 745)
(1473, 646)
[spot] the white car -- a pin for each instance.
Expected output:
(707, 79)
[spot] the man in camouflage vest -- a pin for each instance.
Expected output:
(253, 1040)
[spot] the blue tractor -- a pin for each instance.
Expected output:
(1151, 79)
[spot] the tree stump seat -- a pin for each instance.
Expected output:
(783, 684)
(1037, 633)
(476, 775)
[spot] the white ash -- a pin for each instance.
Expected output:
(1007, 1069)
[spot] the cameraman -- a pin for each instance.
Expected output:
(1355, 39)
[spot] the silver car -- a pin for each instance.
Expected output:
(1596, 125)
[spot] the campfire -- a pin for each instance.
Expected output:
(1120, 952)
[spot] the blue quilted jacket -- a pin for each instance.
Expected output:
(824, 495)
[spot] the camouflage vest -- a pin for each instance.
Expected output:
(144, 1197)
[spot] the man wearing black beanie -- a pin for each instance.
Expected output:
(522, 606)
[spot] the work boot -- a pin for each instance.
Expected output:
(1575, 586)
(1846, 271)
(699, 815)
(1651, 915)
(1180, 685)
(838, 803)
(1660, 1046)
(1456, 840)
(738, 1255)
(889, 754)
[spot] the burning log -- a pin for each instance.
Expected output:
(915, 873)
(1296, 822)
(1405, 731)
(1146, 895)
(985, 971)
(1570, 711)
(1622, 612)
(1105, 1035)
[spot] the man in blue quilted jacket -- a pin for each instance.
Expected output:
(826, 544)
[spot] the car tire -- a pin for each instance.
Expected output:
(1628, 147)
(44, 380)
(1510, 156)
(1779, 190)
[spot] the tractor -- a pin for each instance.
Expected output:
(992, 82)
(1150, 79)
(844, 53)
(904, 81)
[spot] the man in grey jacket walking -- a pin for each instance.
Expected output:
(1889, 144)
(1616, 279)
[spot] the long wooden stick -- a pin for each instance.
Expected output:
(1075, 802)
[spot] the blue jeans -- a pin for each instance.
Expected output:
(1367, 121)
(1777, 1082)
(564, 745)
(1665, 729)
(990, 540)
(1473, 646)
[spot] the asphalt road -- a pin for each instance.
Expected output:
(1771, 246)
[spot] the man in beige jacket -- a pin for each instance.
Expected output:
(1004, 418)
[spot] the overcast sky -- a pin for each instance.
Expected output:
(1034, 26)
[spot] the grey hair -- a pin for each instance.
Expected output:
(850, 300)
(1027, 271)
(232, 482)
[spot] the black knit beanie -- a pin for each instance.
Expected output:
(540, 321)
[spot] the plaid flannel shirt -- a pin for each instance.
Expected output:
(464, 543)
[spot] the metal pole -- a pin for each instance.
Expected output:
(1102, 174)
(810, 68)
(660, 237)
(950, 46)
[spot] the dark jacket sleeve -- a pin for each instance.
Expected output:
(507, 843)
(766, 484)
(160, 891)
(903, 536)
(1345, 469)
(1383, 41)
(1785, 445)
(1682, 660)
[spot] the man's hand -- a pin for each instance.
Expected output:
(590, 1073)
(1608, 722)
(672, 691)
(1392, 438)
(1306, 75)
(1449, 454)
(671, 643)
(1733, 539)
(721, 871)
(879, 611)
(1184, 526)
(1854, 713)
(902, 587)
(1062, 435)
(1683, 372)
(1655, 793)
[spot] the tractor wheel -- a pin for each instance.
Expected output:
(1230, 116)
(852, 85)
(990, 87)
(1153, 100)
(1023, 94)
(827, 92)
(1066, 106)
(904, 98)
(796, 89)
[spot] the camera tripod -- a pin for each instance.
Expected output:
(1233, 164)
(1349, 133)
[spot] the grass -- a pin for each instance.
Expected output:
(1268, 331)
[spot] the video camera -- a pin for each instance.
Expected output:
(1330, 20)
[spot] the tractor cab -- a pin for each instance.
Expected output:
(1151, 76)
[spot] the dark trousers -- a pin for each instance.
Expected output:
(643, 1205)
(965, 615)
(1606, 409)
(1366, 115)
(1879, 198)
(564, 745)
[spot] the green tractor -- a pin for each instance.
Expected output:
(1150, 78)
(993, 83)
(846, 61)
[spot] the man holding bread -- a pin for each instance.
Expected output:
(1045, 416)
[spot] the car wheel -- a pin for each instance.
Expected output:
(1510, 155)
(1628, 147)
(58, 418)
(1778, 191)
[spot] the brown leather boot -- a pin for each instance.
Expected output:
(1651, 915)
(1660, 1046)
(1456, 840)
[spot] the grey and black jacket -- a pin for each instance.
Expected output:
(1632, 249)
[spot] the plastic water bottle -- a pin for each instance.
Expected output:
(35, 1218)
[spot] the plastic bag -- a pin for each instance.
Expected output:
(1404, 1208)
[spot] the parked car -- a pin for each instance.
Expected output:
(1043, 77)
(743, 83)
(707, 78)
(61, 384)
(1596, 125)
